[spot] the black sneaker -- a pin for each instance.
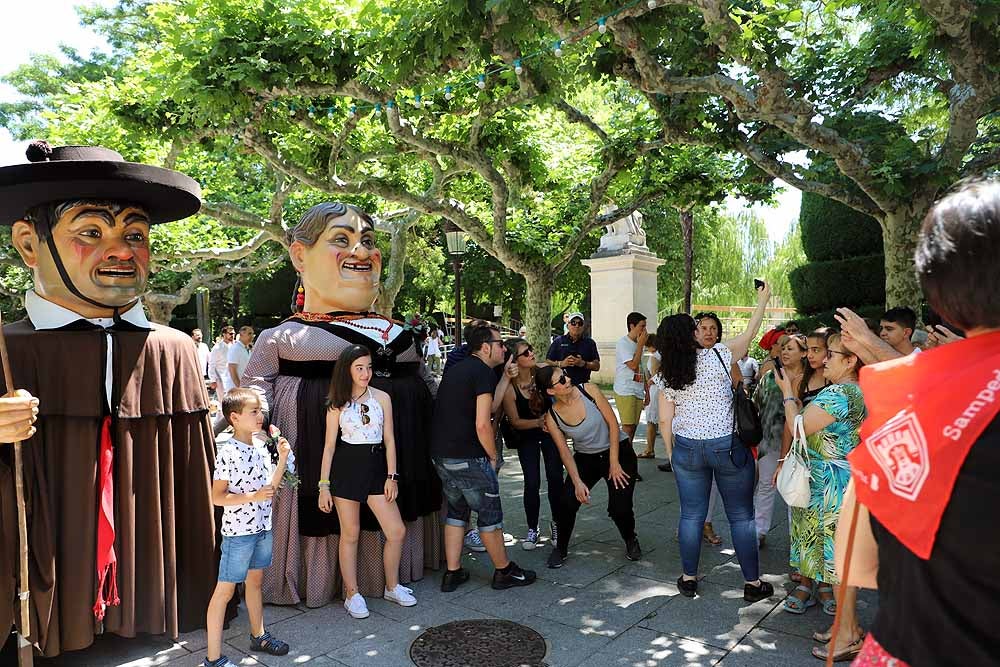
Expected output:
(632, 549)
(453, 579)
(665, 467)
(638, 477)
(514, 576)
(688, 588)
(268, 643)
(556, 559)
(757, 593)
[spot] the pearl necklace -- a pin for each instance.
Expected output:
(350, 320)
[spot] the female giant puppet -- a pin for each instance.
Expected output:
(333, 250)
(121, 532)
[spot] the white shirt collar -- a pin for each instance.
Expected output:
(47, 315)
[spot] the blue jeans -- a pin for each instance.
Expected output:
(695, 462)
(242, 553)
(470, 484)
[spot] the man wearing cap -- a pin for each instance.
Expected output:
(121, 529)
(575, 353)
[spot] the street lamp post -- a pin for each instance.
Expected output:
(455, 239)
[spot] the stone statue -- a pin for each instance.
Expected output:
(623, 236)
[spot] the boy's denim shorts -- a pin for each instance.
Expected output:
(471, 484)
(242, 553)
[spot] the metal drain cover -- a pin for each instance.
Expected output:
(478, 643)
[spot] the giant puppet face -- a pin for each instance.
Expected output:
(334, 251)
(104, 248)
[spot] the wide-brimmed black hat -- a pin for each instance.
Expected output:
(66, 173)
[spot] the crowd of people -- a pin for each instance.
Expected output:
(366, 454)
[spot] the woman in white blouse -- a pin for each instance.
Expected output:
(696, 410)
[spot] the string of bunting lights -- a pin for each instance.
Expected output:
(449, 90)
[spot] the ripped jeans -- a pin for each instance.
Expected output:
(471, 484)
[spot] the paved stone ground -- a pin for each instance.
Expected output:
(598, 610)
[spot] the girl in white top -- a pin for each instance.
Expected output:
(361, 450)
(653, 405)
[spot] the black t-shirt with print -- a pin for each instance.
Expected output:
(454, 428)
(943, 611)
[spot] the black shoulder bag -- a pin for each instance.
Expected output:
(746, 419)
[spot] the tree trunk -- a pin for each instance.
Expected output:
(687, 229)
(538, 311)
(396, 271)
(161, 310)
(899, 234)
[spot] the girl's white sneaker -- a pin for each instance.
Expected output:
(401, 595)
(356, 606)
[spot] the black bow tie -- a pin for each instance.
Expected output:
(86, 325)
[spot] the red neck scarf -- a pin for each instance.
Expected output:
(925, 411)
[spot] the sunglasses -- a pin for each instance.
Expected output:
(576, 323)
(363, 409)
(562, 380)
(528, 350)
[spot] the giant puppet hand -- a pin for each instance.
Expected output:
(18, 412)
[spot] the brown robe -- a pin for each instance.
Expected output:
(163, 459)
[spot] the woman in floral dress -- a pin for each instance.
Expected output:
(832, 422)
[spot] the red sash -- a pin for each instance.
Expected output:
(925, 411)
(107, 561)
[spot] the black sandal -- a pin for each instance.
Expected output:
(267, 643)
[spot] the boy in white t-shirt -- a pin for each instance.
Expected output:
(244, 484)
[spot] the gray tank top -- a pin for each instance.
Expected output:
(591, 436)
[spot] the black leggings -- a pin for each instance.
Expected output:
(593, 467)
(529, 453)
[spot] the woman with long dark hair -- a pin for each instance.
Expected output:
(697, 410)
(531, 441)
(361, 449)
(600, 450)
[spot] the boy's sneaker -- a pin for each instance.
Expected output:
(473, 542)
(452, 579)
(556, 559)
(356, 606)
(267, 643)
(223, 661)
(761, 591)
(632, 549)
(554, 531)
(514, 576)
(531, 541)
(401, 595)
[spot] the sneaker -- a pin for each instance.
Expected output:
(554, 531)
(268, 643)
(531, 541)
(223, 661)
(638, 477)
(453, 579)
(556, 559)
(688, 588)
(632, 549)
(356, 606)
(401, 595)
(514, 576)
(761, 591)
(665, 467)
(473, 542)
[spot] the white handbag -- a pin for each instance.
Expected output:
(793, 479)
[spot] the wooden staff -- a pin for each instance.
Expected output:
(842, 590)
(25, 656)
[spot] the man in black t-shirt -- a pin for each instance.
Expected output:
(575, 353)
(464, 453)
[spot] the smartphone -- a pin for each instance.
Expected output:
(777, 364)
(758, 283)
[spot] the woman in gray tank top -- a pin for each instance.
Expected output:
(600, 450)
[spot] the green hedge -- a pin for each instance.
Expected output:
(820, 286)
(832, 231)
(809, 323)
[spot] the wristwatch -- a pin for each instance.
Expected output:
(393, 476)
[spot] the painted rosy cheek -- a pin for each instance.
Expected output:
(81, 249)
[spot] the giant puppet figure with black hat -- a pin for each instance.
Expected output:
(121, 532)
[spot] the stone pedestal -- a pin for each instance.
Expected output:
(620, 283)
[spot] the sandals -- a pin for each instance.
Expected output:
(796, 605)
(645, 455)
(708, 534)
(830, 604)
(849, 652)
